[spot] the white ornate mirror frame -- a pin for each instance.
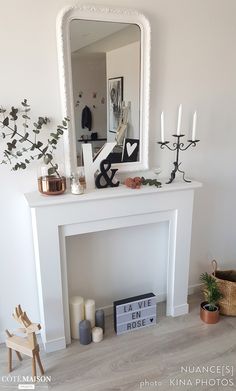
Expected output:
(102, 13)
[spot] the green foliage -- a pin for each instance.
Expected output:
(23, 137)
(150, 182)
(211, 290)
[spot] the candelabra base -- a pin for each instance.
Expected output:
(173, 174)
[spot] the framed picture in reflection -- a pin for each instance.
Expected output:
(115, 98)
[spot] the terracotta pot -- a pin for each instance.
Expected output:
(52, 185)
(209, 317)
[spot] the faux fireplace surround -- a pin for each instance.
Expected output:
(55, 218)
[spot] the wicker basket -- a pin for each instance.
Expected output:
(227, 284)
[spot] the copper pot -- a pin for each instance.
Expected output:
(209, 317)
(51, 185)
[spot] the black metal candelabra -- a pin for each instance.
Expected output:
(177, 146)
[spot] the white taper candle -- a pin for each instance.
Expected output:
(90, 311)
(162, 128)
(179, 120)
(194, 126)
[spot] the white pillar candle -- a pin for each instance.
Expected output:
(76, 304)
(194, 126)
(162, 128)
(90, 311)
(179, 120)
(97, 334)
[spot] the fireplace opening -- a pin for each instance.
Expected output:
(118, 263)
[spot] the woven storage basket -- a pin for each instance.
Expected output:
(226, 280)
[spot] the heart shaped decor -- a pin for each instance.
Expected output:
(131, 148)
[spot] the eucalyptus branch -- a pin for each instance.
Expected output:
(36, 147)
(15, 136)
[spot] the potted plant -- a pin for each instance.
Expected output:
(209, 311)
(23, 146)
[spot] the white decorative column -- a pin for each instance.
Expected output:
(55, 218)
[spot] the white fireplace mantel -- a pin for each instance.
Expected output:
(55, 218)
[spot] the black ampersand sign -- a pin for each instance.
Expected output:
(105, 166)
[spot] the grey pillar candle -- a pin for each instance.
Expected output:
(85, 332)
(100, 319)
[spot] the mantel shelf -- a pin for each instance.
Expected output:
(35, 199)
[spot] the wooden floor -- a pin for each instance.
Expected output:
(147, 359)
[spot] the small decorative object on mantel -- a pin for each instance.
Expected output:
(92, 164)
(75, 185)
(50, 184)
(135, 183)
(27, 345)
(131, 150)
(209, 310)
(178, 145)
(82, 177)
(105, 177)
(134, 313)
(23, 146)
(150, 182)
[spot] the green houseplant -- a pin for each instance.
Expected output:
(23, 146)
(209, 311)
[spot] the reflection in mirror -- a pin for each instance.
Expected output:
(105, 58)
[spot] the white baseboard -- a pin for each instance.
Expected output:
(195, 288)
(55, 344)
(178, 310)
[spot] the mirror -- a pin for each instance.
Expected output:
(104, 61)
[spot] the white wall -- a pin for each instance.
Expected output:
(125, 61)
(193, 62)
(123, 256)
(89, 77)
